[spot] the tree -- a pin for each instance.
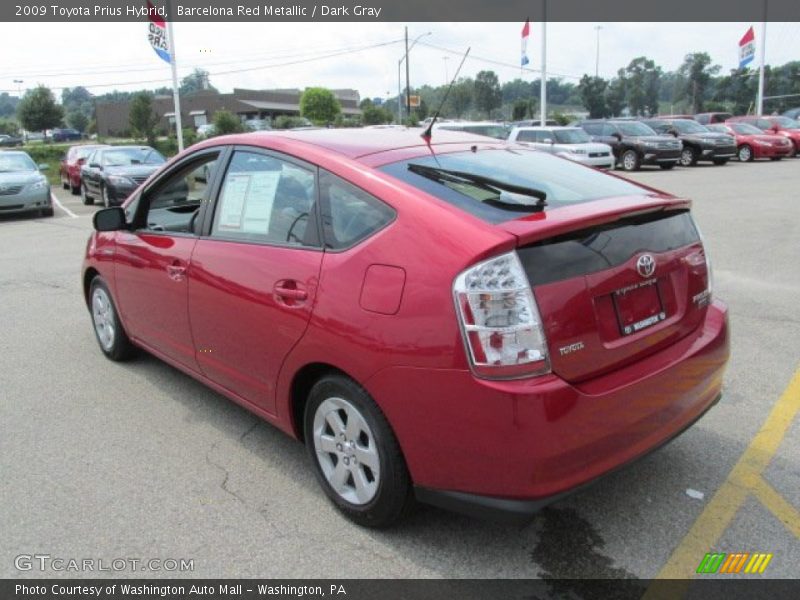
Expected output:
(143, 119)
(8, 105)
(319, 105)
(593, 95)
(78, 120)
(697, 72)
(8, 127)
(616, 93)
(38, 111)
(523, 108)
(196, 81)
(488, 95)
(642, 77)
(374, 115)
(226, 122)
(460, 98)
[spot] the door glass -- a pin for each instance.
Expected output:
(175, 202)
(608, 130)
(266, 199)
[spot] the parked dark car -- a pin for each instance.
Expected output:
(65, 135)
(634, 144)
(9, 141)
(112, 173)
(712, 117)
(70, 167)
(699, 142)
(459, 321)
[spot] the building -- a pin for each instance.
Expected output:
(198, 108)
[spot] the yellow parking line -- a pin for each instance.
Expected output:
(744, 479)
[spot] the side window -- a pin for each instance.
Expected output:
(266, 199)
(174, 203)
(658, 126)
(349, 214)
(526, 135)
(543, 135)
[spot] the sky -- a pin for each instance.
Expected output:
(107, 56)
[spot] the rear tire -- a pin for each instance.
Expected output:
(688, 157)
(745, 153)
(356, 457)
(630, 160)
(111, 336)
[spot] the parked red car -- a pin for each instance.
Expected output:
(710, 118)
(784, 126)
(70, 170)
(472, 324)
(752, 143)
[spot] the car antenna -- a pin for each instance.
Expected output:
(426, 135)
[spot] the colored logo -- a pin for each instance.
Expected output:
(737, 562)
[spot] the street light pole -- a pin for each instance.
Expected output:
(597, 54)
(400, 64)
(408, 85)
(19, 83)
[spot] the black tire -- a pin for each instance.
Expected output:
(667, 166)
(120, 347)
(745, 153)
(104, 197)
(688, 157)
(775, 157)
(720, 161)
(48, 212)
(65, 184)
(74, 189)
(85, 197)
(394, 497)
(630, 160)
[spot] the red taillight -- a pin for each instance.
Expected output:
(500, 320)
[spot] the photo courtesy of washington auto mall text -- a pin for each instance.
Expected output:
(400, 300)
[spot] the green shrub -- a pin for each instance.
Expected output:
(288, 122)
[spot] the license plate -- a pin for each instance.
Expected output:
(638, 307)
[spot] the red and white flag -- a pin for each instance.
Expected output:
(747, 48)
(526, 30)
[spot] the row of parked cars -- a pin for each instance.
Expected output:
(665, 141)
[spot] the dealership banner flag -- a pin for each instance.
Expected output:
(747, 48)
(157, 33)
(526, 30)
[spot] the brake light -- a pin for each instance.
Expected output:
(500, 320)
(709, 271)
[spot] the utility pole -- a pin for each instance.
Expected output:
(762, 51)
(408, 84)
(597, 54)
(543, 86)
(399, 65)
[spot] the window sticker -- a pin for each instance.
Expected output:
(259, 200)
(234, 194)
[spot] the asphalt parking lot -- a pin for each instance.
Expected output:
(106, 460)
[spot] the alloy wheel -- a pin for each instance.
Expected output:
(687, 157)
(745, 154)
(103, 317)
(346, 451)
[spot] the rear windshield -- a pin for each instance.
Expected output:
(564, 182)
(786, 122)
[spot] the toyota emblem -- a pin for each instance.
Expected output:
(646, 265)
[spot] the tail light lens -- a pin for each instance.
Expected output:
(709, 271)
(500, 320)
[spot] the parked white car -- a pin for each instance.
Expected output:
(568, 142)
(488, 128)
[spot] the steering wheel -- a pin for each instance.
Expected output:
(291, 234)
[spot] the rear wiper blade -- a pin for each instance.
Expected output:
(487, 183)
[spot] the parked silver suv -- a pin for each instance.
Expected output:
(568, 142)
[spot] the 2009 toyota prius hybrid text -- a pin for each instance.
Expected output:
(458, 321)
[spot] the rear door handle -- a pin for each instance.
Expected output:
(288, 290)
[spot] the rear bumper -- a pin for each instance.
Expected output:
(511, 447)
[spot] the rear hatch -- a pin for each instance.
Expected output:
(614, 291)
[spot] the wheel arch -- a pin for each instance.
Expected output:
(300, 387)
(88, 276)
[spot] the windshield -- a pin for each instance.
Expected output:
(563, 182)
(11, 163)
(571, 136)
(686, 126)
(122, 157)
(84, 152)
(745, 129)
(634, 128)
(786, 122)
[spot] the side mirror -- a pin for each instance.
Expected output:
(43, 166)
(617, 135)
(110, 219)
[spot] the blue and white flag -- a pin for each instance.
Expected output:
(157, 33)
(747, 48)
(526, 30)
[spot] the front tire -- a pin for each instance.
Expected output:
(104, 195)
(688, 157)
(745, 153)
(111, 336)
(356, 457)
(85, 197)
(48, 212)
(631, 160)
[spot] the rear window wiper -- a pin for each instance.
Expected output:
(486, 183)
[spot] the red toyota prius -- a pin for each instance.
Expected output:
(458, 321)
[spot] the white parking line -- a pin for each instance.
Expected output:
(62, 207)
